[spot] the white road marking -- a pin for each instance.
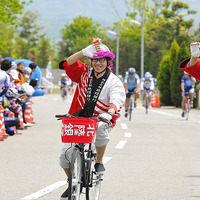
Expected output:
(106, 159)
(45, 190)
(127, 134)
(163, 113)
(120, 144)
(124, 126)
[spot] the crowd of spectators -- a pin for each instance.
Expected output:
(16, 89)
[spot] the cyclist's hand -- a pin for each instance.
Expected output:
(195, 49)
(105, 116)
(89, 50)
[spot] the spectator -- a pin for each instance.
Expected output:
(13, 76)
(33, 66)
(4, 77)
(20, 68)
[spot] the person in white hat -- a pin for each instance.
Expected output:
(13, 76)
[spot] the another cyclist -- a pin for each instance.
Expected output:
(147, 85)
(98, 92)
(187, 83)
(63, 84)
(131, 84)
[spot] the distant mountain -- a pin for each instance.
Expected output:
(54, 14)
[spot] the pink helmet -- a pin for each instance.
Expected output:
(104, 50)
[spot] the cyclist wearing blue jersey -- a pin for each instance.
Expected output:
(187, 83)
(131, 84)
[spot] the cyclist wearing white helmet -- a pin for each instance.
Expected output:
(131, 84)
(98, 92)
(147, 85)
(187, 86)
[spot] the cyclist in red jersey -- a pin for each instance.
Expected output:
(98, 92)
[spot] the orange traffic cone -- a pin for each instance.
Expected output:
(2, 125)
(28, 114)
(157, 104)
(21, 121)
(153, 100)
(11, 114)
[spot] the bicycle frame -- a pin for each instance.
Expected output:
(187, 106)
(81, 171)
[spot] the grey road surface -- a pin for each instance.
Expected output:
(156, 156)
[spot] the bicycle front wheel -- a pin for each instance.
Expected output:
(93, 189)
(187, 106)
(147, 105)
(75, 172)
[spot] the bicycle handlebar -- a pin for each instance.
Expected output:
(59, 117)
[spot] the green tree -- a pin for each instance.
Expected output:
(44, 50)
(163, 81)
(6, 43)
(78, 35)
(29, 34)
(9, 10)
(175, 77)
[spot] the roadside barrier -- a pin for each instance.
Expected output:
(2, 125)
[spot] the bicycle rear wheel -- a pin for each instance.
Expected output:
(93, 189)
(187, 107)
(75, 172)
(130, 109)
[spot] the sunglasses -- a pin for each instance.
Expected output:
(101, 60)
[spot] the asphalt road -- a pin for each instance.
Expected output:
(156, 156)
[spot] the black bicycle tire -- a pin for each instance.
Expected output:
(75, 155)
(146, 105)
(130, 109)
(92, 181)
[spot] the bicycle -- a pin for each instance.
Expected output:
(63, 92)
(147, 101)
(130, 106)
(81, 171)
(187, 105)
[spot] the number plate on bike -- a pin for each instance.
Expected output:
(78, 130)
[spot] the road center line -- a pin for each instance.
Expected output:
(121, 144)
(45, 190)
